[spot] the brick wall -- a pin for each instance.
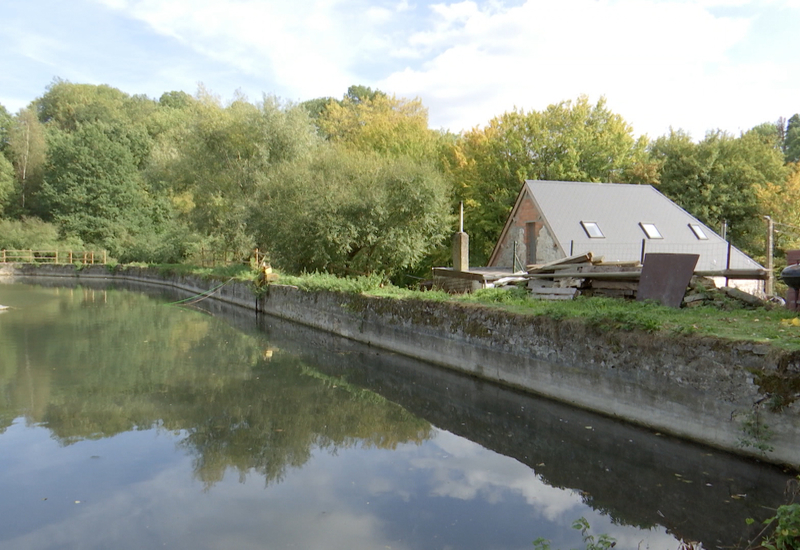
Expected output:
(546, 248)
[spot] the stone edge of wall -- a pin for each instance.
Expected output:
(697, 388)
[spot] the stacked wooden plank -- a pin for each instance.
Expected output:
(583, 275)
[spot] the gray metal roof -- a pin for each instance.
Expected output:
(618, 209)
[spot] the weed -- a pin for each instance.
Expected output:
(755, 432)
(325, 281)
(601, 542)
(785, 534)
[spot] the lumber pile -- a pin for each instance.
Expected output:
(589, 275)
(583, 275)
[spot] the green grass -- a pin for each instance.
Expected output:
(239, 272)
(726, 319)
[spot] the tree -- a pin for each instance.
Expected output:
(792, 140)
(224, 153)
(316, 107)
(27, 148)
(176, 100)
(717, 180)
(348, 212)
(567, 141)
(779, 200)
(6, 183)
(5, 126)
(67, 105)
(92, 188)
(368, 120)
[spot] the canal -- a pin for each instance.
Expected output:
(128, 420)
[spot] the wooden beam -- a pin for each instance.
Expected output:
(578, 259)
(615, 276)
(761, 274)
(448, 272)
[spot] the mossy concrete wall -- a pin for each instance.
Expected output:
(705, 389)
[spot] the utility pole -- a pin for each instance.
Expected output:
(769, 288)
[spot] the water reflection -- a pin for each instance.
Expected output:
(634, 476)
(101, 388)
(88, 368)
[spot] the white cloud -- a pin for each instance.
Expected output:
(470, 472)
(306, 48)
(644, 56)
(694, 64)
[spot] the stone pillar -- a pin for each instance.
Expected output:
(460, 251)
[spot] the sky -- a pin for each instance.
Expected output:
(695, 65)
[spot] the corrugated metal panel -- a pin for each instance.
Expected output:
(618, 209)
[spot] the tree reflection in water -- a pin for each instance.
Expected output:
(89, 364)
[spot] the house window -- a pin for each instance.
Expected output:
(698, 232)
(593, 230)
(650, 230)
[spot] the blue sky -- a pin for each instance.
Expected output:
(691, 64)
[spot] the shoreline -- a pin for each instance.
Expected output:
(698, 388)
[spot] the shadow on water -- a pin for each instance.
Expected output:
(635, 476)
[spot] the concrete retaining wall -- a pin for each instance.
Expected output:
(700, 388)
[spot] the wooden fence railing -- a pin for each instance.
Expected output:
(53, 256)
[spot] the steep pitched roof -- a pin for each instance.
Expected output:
(619, 209)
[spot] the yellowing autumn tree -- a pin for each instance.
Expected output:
(779, 201)
(376, 122)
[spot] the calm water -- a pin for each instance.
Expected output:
(127, 422)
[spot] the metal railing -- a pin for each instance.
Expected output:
(87, 257)
(714, 256)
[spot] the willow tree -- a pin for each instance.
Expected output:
(225, 152)
(349, 212)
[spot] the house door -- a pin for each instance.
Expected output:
(530, 240)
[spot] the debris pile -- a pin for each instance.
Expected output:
(583, 275)
(589, 275)
(702, 292)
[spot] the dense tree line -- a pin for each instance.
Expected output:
(355, 185)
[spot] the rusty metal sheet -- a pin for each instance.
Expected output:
(665, 277)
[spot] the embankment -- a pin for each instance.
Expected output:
(714, 391)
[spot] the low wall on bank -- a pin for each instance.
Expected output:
(713, 391)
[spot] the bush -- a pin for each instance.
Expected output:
(351, 213)
(35, 234)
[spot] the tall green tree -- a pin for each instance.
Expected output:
(93, 189)
(792, 139)
(67, 105)
(717, 180)
(5, 126)
(6, 184)
(27, 148)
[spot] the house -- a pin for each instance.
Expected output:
(621, 222)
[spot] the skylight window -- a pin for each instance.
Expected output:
(593, 230)
(650, 230)
(698, 232)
